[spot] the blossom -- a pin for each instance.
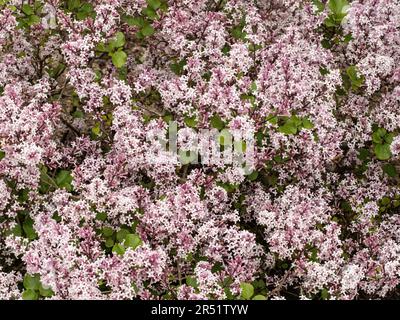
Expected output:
(290, 112)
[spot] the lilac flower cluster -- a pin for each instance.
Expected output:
(92, 207)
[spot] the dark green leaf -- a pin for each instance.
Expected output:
(389, 138)
(135, 21)
(73, 4)
(109, 242)
(390, 170)
(27, 9)
(64, 180)
(147, 30)
(191, 121)
(325, 294)
(217, 123)
(102, 216)
(150, 13)
(28, 229)
(191, 282)
(253, 176)
(155, 4)
(288, 128)
(121, 234)
(107, 231)
(363, 154)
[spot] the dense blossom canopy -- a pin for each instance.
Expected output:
(92, 208)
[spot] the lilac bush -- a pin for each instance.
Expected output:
(99, 202)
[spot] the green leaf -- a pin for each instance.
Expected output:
(338, 6)
(119, 58)
(154, 4)
(109, 242)
(259, 297)
(30, 295)
(329, 22)
(96, 130)
(86, 7)
(356, 80)
(178, 67)
(73, 4)
(121, 234)
(150, 13)
(320, 6)
(385, 201)
(28, 229)
(325, 294)
(253, 176)
(190, 121)
(288, 128)
(390, 170)
(107, 231)
(347, 38)
(363, 154)
(118, 41)
(382, 151)
(217, 267)
(64, 180)
(102, 216)
(323, 71)
(216, 122)
(229, 187)
(389, 138)
(45, 292)
(2, 155)
(272, 119)
(27, 9)
(118, 249)
(247, 290)
(377, 136)
(294, 120)
(238, 33)
(134, 21)
(31, 282)
(307, 124)
(33, 19)
(132, 241)
(191, 282)
(164, 6)
(16, 231)
(147, 30)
